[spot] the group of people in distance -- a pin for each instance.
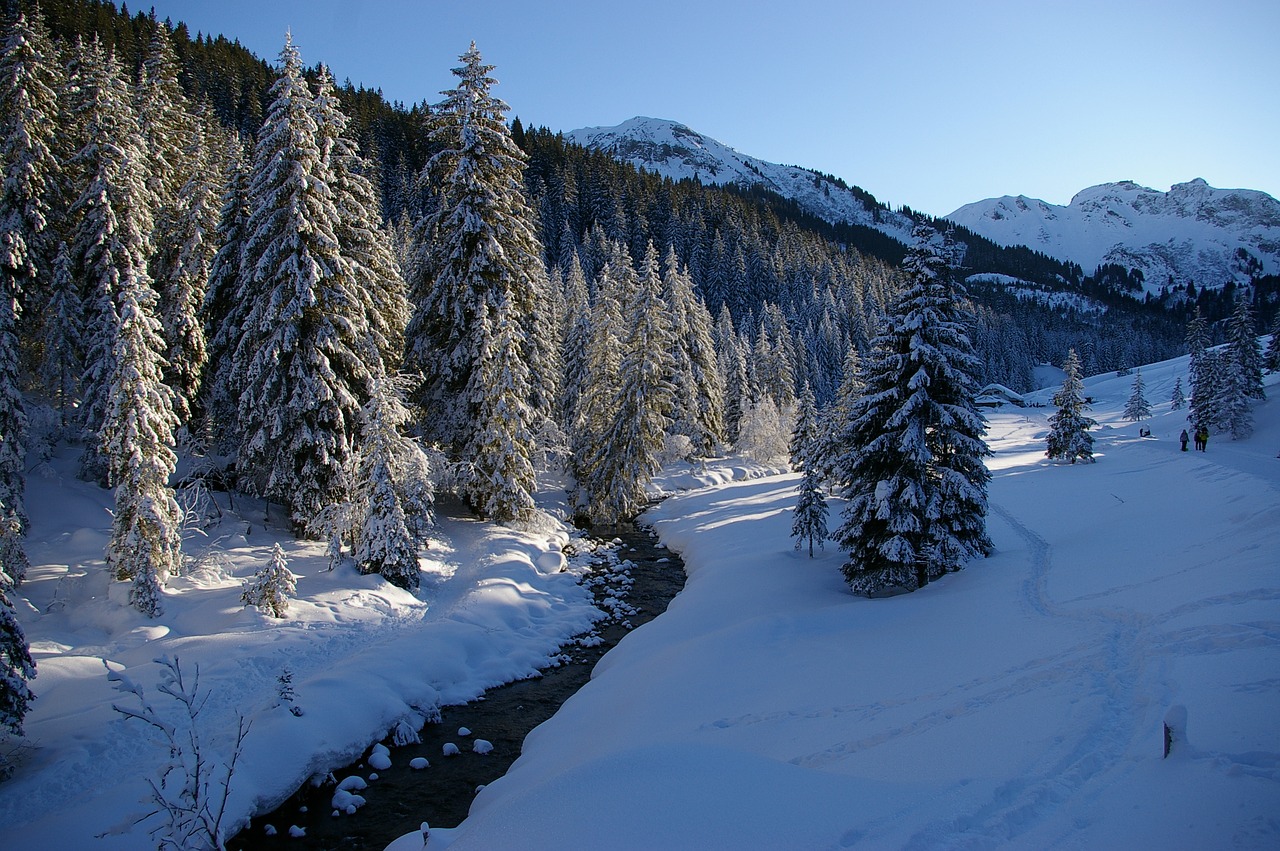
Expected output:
(1201, 438)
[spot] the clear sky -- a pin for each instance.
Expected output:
(930, 103)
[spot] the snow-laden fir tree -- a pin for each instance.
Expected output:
(835, 418)
(113, 224)
(732, 365)
(809, 524)
(1239, 377)
(1137, 408)
(223, 313)
(1069, 438)
(1178, 400)
(393, 498)
(603, 363)
(496, 469)
(575, 339)
(912, 453)
(272, 586)
(478, 249)
(1200, 406)
(17, 668)
(304, 350)
(626, 456)
(29, 171)
(366, 246)
(137, 439)
(698, 408)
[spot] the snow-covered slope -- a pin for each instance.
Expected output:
(1192, 233)
(673, 150)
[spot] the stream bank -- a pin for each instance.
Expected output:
(633, 581)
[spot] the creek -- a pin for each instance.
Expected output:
(633, 582)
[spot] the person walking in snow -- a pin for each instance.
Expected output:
(1202, 438)
(1183, 437)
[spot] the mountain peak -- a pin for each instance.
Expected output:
(675, 150)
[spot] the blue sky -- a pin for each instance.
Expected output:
(930, 103)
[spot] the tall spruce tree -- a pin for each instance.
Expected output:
(912, 453)
(1069, 438)
(304, 350)
(112, 243)
(17, 668)
(137, 440)
(621, 464)
(1200, 406)
(809, 524)
(698, 408)
(478, 250)
(1240, 376)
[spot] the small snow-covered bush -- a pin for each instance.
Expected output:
(271, 587)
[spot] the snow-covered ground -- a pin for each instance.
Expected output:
(1017, 703)
(363, 655)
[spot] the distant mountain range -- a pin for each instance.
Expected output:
(1192, 233)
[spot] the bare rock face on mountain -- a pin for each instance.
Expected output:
(1193, 233)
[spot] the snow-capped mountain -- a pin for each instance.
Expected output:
(1192, 233)
(671, 149)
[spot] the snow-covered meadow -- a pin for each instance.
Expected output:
(1019, 703)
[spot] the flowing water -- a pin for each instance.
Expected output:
(634, 582)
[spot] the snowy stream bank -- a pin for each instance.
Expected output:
(470, 745)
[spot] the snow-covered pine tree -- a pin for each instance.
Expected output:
(1178, 400)
(393, 499)
(809, 524)
(28, 176)
(61, 361)
(600, 381)
(497, 474)
(698, 408)
(137, 440)
(810, 520)
(271, 588)
(478, 249)
(1200, 406)
(1137, 408)
(1240, 373)
(912, 452)
(732, 366)
(1069, 438)
(359, 229)
(17, 668)
(575, 340)
(224, 314)
(835, 418)
(626, 457)
(304, 351)
(29, 172)
(112, 242)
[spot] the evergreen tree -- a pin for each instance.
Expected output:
(1069, 438)
(575, 341)
(1178, 400)
(392, 492)
(17, 668)
(365, 244)
(835, 418)
(478, 251)
(1240, 373)
(29, 171)
(1137, 408)
(225, 315)
(271, 588)
(137, 441)
(912, 452)
(112, 241)
(304, 350)
(497, 470)
(626, 456)
(1200, 406)
(810, 521)
(698, 409)
(604, 364)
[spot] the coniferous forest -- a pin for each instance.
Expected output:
(347, 305)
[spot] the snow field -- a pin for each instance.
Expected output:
(1018, 703)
